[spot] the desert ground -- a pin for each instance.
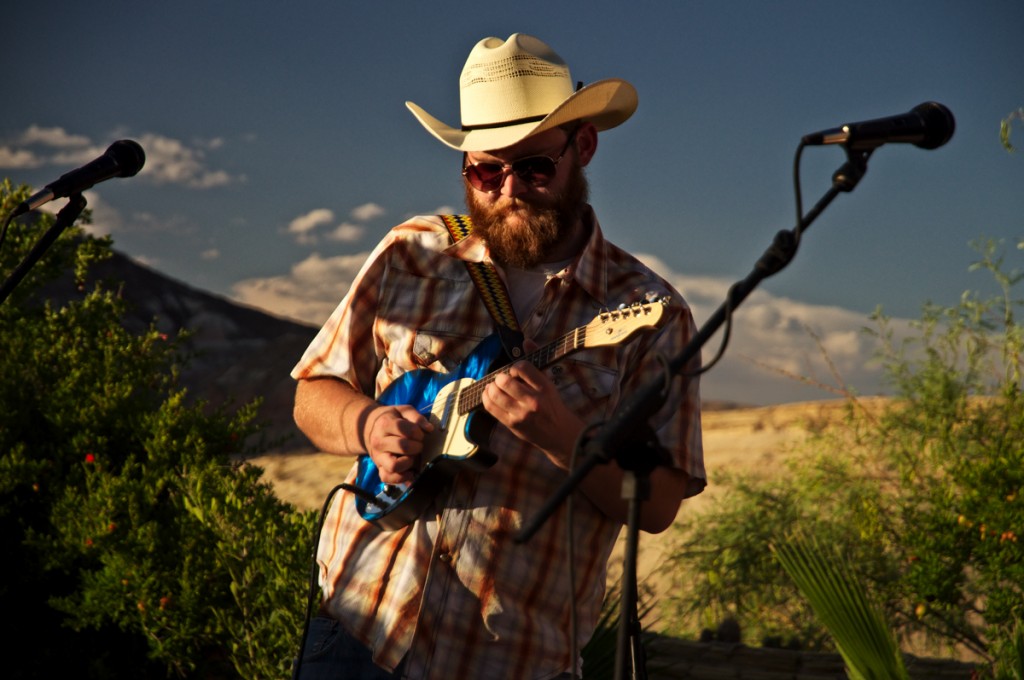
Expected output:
(736, 439)
(758, 440)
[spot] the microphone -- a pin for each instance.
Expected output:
(928, 125)
(124, 158)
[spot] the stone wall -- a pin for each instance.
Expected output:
(672, 659)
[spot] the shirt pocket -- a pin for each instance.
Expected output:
(587, 387)
(442, 352)
(428, 321)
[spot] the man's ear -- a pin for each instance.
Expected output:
(586, 142)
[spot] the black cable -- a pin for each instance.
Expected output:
(726, 334)
(777, 257)
(3, 231)
(796, 185)
(314, 578)
(571, 539)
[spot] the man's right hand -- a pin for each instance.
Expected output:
(394, 438)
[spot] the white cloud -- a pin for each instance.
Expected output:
(310, 221)
(35, 147)
(213, 178)
(105, 218)
(18, 159)
(367, 211)
(308, 293)
(780, 350)
(53, 137)
(303, 226)
(446, 210)
(147, 261)
(72, 157)
(347, 233)
(108, 220)
(168, 161)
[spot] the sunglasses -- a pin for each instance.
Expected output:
(536, 171)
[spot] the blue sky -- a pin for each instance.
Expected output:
(279, 148)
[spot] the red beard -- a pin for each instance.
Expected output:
(520, 233)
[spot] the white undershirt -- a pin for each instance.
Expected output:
(526, 286)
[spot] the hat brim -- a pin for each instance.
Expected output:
(605, 103)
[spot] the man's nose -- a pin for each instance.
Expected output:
(512, 185)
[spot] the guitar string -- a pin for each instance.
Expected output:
(471, 397)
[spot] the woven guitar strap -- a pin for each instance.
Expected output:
(492, 289)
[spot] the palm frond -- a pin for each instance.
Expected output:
(861, 634)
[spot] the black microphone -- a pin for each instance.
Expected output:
(124, 158)
(928, 125)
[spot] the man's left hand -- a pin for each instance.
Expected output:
(523, 399)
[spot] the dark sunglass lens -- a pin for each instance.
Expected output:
(485, 176)
(538, 170)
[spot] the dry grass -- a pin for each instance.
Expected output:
(755, 440)
(736, 440)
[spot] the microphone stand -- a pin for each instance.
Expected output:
(65, 218)
(608, 441)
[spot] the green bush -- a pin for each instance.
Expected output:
(134, 546)
(923, 500)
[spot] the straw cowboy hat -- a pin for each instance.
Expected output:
(512, 89)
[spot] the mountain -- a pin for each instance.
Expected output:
(240, 352)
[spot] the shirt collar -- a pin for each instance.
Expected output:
(589, 270)
(471, 249)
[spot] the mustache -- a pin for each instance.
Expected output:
(517, 203)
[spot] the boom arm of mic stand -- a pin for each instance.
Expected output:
(608, 441)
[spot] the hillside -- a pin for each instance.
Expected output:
(239, 353)
(242, 353)
(735, 440)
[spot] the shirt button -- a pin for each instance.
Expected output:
(446, 557)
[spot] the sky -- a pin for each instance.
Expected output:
(279, 149)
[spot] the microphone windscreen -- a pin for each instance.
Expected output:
(128, 155)
(939, 124)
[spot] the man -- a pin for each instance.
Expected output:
(452, 594)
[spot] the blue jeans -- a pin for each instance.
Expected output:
(332, 654)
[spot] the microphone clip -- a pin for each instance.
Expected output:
(850, 173)
(65, 218)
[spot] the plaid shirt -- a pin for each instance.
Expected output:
(452, 593)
